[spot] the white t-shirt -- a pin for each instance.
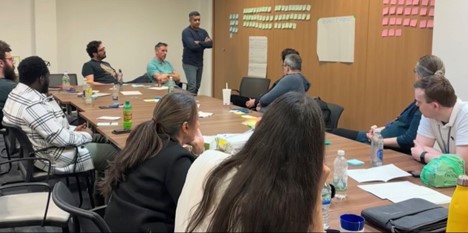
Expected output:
(193, 189)
(450, 135)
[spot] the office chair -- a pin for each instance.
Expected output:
(253, 87)
(55, 80)
(21, 206)
(32, 174)
(83, 220)
(336, 111)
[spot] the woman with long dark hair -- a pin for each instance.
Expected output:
(272, 185)
(145, 179)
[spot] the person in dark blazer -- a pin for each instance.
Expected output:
(145, 180)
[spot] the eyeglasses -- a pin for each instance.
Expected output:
(47, 63)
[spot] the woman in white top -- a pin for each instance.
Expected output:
(272, 185)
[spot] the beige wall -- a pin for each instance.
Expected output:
(58, 31)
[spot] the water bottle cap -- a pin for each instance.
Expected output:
(379, 130)
(462, 180)
(341, 152)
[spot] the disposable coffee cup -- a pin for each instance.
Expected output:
(352, 223)
(226, 96)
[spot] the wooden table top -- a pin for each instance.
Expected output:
(223, 121)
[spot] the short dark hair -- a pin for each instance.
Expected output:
(160, 44)
(193, 13)
(92, 47)
(32, 68)
(4, 48)
(288, 51)
(437, 88)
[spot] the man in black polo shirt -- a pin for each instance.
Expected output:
(97, 71)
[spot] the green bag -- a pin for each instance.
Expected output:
(443, 171)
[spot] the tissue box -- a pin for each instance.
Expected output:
(232, 143)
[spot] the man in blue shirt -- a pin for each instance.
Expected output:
(195, 41)
(159, 69)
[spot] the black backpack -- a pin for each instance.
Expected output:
(326, 112)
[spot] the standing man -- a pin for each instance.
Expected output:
(159, 69)
(195, 41)
(7, 75)
(445, 120)
(96, 71)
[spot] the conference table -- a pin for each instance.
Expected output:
(224, 120)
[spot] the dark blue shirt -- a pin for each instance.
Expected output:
(193, 53)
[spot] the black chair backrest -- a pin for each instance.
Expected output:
(55, 80)
(89, 221)
(16, 133)
(336, 111)
(253, 87)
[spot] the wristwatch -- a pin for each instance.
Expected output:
(422, 157)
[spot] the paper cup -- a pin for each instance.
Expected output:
(226, 96)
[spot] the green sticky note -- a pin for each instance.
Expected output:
(355, 162)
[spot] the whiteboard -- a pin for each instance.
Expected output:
(450, 42)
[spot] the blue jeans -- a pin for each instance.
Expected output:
(194, 76)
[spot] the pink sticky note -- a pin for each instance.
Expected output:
(385, 33)
(392, 10)
(430, 23)
(385, 1)
(409, 2)
(432, 2)
(391, 32)
(422, 23)
(431, 12)
(385, 21)
(406, 22)
(415, 2)
(385, 11)
(401, 2)
(424, 2)
(423, 11)
(398, 21)
(415, 10)
(399, 10)
(407, 11)
(392, 21)
(393, 2)
(413, 22)
(398, 32)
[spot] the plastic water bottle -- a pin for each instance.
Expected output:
(127, 115)
(326, 202)
(120, 77)
(65, 82)
(458, 210)
(88, 93)
(377, 149)
(115, 92)
(171, 85)
(340, 175)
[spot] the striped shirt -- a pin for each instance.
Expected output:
(45, 124)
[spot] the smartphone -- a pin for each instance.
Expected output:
(415, 173)
(120, 131)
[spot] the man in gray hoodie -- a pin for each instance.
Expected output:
(293, 80)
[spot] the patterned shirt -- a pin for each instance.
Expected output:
(45, 124)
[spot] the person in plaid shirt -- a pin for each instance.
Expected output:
(42, 119)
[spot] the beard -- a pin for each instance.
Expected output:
(9, 72)
(45, 87)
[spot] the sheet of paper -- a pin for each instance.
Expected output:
(204, 114)
(96, 95)
(159, 88)
(382, 173)
(400, 191)
(258, 56)
(335, 39)
(111, 118)
(107, 123)
(151, 100)
(130, 93)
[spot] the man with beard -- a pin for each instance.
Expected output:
(41, 118)
(96, 71)
(7, 75)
